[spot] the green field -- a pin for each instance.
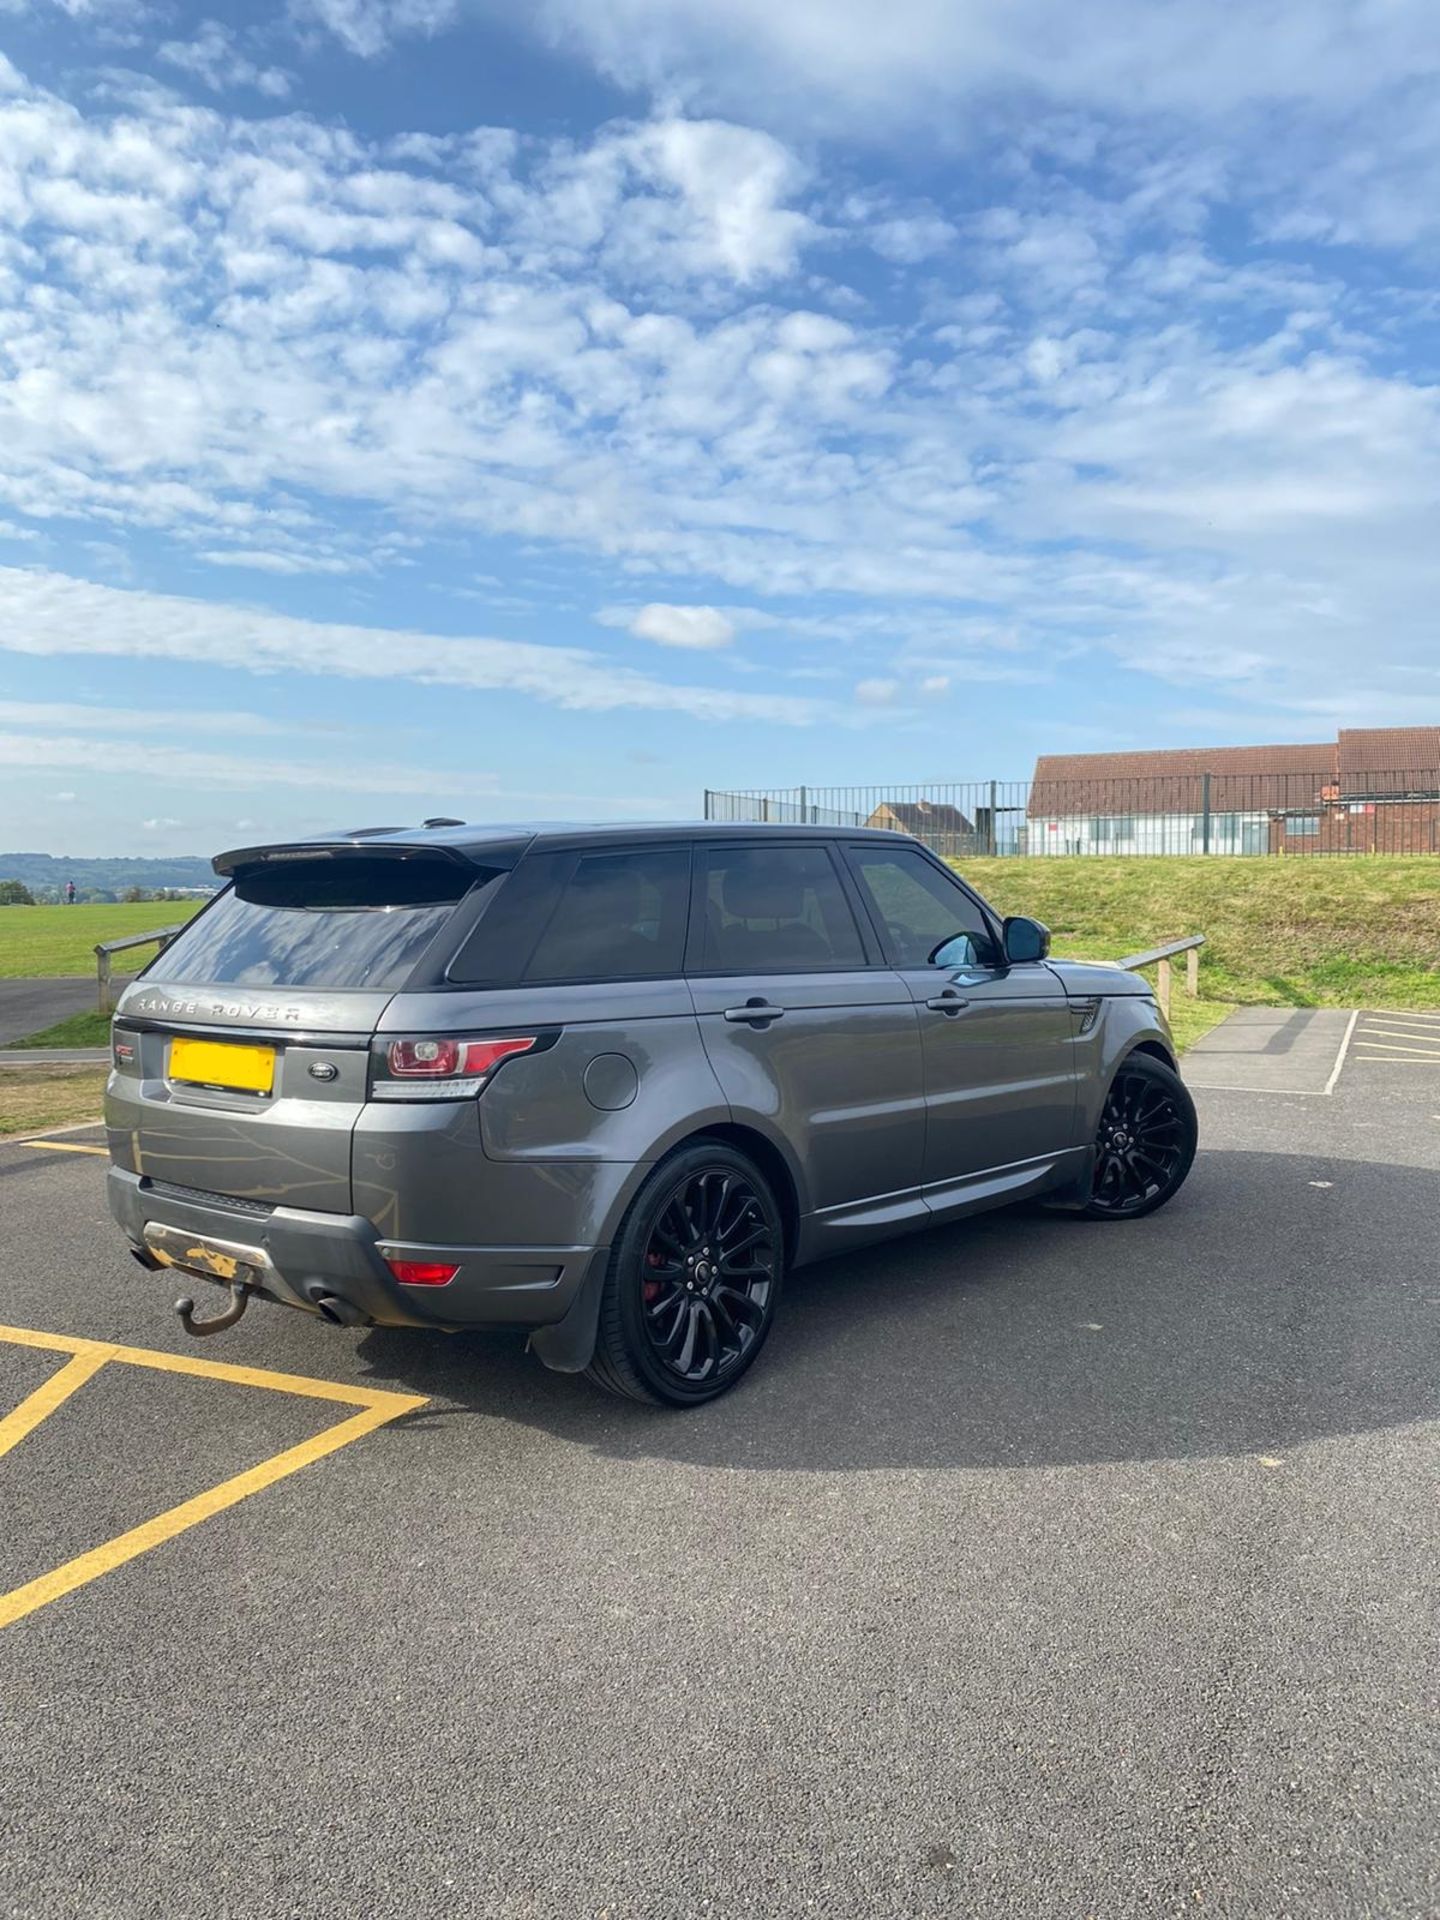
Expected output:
(37, 943)
(48, 1097)
(1341, 932)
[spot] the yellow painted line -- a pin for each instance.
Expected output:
(199, 1369)
(46, 1398)
(1379, 1047)
(1400, 1059)
(1419, 1019)
(154, 1533)
(58, 1146)
(1423, 1036)
(376, 1408)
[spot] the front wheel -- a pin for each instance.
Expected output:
(693, 1281)
(1146, 1142)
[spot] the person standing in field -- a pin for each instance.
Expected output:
(69, 893)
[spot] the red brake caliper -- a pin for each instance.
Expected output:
(652, 1289)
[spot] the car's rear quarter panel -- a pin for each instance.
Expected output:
(565, 1133)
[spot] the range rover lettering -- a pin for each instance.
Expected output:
(611, 1084)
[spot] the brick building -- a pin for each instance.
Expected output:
(1370, 790)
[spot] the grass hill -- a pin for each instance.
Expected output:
(1338, 931)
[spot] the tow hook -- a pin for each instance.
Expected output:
(239, 1300)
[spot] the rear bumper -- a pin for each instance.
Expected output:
(342, 1255)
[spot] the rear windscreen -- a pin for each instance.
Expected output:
(339, 922)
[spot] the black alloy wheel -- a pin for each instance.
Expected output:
(694, 1280)
(1146, 1142)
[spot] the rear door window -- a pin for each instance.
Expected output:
(620, 916)
(341, 922)
(776, 910)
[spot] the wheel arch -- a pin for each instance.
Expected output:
(1157, 1051)
(771, 1162)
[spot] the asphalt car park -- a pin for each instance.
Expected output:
(1039, 1568)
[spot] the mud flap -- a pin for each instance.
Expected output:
(1074, 1196)
(569, 1345)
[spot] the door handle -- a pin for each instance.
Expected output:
(948, 1002)
(755, 1013)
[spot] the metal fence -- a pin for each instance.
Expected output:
(1203, 813)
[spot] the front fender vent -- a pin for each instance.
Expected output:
(1084, 1013)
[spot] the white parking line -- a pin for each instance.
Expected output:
(1340, 1056)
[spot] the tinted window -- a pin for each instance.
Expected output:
(777, 910)
(921, 909)
(337, 923)
(620, 916)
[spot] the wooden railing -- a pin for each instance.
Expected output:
(1162, 957)
(161, 937)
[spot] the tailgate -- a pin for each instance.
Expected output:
(253, 1097)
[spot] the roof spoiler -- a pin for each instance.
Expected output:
(339, 847)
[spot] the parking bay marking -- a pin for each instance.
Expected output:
(58, 1146)
(376, 1408)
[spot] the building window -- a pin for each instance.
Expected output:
(1119, 826)
(1224, 831)
(1302, 823)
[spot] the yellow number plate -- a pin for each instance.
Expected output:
(219, 1063)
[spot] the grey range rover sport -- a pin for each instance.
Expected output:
(610, 1084)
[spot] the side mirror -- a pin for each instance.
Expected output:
(1025, 940)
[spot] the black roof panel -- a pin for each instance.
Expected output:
(481, 842)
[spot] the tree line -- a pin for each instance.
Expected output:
(15, 893)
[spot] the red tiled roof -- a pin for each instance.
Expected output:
(1171, 780)
(1381, 751)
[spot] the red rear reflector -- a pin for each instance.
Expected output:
(422, 1273)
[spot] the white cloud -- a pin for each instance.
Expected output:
(189, 770)
(138, 722)
(876, 693)
(909, 238)
(213, 56)
(1328, 104)
(160, 823)
(280, 347)
(700, 629)
(835, 57)
(48, 614)
(369, 27)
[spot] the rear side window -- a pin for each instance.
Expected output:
(342, 922)
(777, 910)
(620, 916)
(920, 909)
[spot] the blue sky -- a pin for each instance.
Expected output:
(405, 410)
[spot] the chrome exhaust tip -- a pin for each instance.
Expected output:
(340, 1313)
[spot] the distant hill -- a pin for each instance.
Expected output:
(45, 874)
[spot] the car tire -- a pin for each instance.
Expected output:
(693, 1280)
(1145, 1143)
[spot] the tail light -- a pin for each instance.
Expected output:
(431, 1068)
